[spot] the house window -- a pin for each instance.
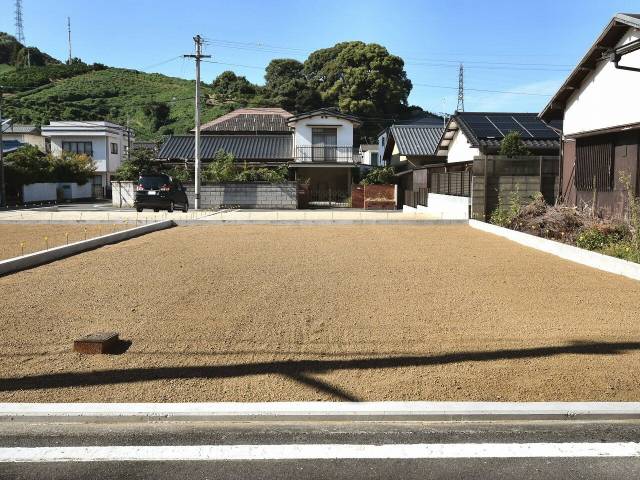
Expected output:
(114, 148)
(78, 147)
(324, 142)
(594, 164)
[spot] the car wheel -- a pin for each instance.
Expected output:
(138, 209)
(171, 205)
(185, 208)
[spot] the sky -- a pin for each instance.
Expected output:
(524, 47)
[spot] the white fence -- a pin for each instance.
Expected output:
(447, 206)
(48, 192)
(123, 194)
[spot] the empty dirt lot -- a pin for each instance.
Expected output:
(264, 313)
(33, 236)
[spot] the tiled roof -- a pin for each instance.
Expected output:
(530, 144)
(16, 128)
(250, 120)
(416, 139)
(243, 147)
(9, 146)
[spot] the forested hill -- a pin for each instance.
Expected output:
(362, 79)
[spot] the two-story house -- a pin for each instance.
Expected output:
(104, 142)
(317, 146)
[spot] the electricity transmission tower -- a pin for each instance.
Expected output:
(19, 27)
(460, 107)
(20, 30)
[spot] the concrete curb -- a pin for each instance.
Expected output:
(317, 411)
(38, 258)
(562, 250)
(322, 222)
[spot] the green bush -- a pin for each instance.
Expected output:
(221, 169)
(602, 236)
(180, 173)
(379, 176)
(624, 250)
(504, 215)
(29, 165)
(592, 239)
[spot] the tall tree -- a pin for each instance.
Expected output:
(360, 78)
(287, 86)
(230, 85)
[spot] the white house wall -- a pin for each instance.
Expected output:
(460, 150)
(608, 97)
(101, 150)
(304, 130)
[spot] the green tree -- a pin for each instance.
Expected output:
(287, 86)
(71, 167)
(512, 146)
(140, 160)
(28, 165)
(360, 78)
(230, 85)
(378, 176)
(221, 169)
(158, 113)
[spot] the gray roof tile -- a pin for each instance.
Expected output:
(416, 139)
(243, 147)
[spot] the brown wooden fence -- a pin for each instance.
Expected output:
(451, 183)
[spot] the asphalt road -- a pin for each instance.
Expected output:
(497, 438)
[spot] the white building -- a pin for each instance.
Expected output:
(599, 103)
(323, 152)
(370, 155)
(25, 134)
(104, 142)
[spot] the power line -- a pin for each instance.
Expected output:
(233, 64)
(483, 90)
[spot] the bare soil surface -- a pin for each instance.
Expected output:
(36, 237)
(276, 313)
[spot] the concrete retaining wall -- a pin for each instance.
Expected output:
(47, 192)
(447, 206)
(246, 195)
(123, 194)
(562, 250)
(39, 192)
(46, 256)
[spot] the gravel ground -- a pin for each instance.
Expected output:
(266, 313)
(33, 236)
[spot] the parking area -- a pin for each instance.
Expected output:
(349, 312)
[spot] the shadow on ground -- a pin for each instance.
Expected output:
(301, 371)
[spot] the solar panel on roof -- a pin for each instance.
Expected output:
(481, 126)
(507, 124)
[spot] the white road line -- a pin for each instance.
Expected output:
(318, 451)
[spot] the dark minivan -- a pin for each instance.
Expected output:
(160, 192)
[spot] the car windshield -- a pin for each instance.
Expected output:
(154, 182)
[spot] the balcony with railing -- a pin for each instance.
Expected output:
(327, 154)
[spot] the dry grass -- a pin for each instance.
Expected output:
(264, 313)
(35, 237)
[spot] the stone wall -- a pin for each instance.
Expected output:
(246, 195)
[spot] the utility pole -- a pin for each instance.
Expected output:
(128, 139)
(69, 38)
(460, 107)
(198, 56)
(3, 198)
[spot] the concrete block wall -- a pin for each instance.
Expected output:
(123, 194)
(246, 195)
